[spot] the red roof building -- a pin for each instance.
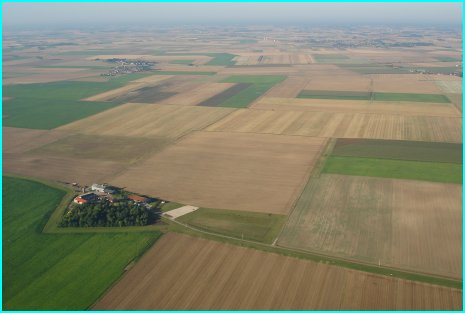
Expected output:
(138, 199)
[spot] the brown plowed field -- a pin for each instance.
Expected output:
(145, 120)
(342, 125)
(248, 172)
(186, 273)
(405, 224)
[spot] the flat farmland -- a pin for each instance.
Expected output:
(245, 172)
(343, 81)
(342, 125)
(142, 120)
(111, 148)
(411, 225)
(70, 169)
(289, 88)
(186, 273)
(399, 150)
(345, 104)
(197, 95)
(19, 140)
(408, 83)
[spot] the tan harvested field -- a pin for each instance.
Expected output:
(342, 125)
(358, 106)
(346, 81)
(152, 79)
(247, 172)
(289, 88)
(84, 171)
(404, 83)
(111, 148)
(187, 273)
(148, 121)
(449, 86)
(115, 93)
(197, 95)
(412, 225)
(280, 70)
(19, 140)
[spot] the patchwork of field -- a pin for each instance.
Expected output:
(245, 172)
(268, 59)
(186, 273)
(289, 88)
(411, 225)
(148, 121)
(342, 125)
(450, 86)
(197, 95)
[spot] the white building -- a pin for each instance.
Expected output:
(98, 187)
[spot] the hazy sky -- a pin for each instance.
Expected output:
(36, 14)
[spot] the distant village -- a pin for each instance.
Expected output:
(125, 66)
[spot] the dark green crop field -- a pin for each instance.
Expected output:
(222, 59)
(336, 95)
(417, 170)
(57, 271)
(376, 96)
(399, 150)
(248, 225)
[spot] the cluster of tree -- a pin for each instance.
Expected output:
(106, 214)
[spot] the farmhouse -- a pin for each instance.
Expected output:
(139, 199)
(86, 198)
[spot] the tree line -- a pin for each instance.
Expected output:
(106, 214)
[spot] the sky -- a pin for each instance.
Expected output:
(82, 14)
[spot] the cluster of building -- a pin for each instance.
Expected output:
(101, 192)
(124, 66)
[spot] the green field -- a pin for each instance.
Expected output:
(376, 96)
(247, 225)
(182, 61)
(222, 59)
(417, 170)
(413, 97)
(57, 271)
(447, 59)
(336, 95)
(399, 150)
(49, 105)
(259, 85)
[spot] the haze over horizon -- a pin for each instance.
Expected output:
(27, 15)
